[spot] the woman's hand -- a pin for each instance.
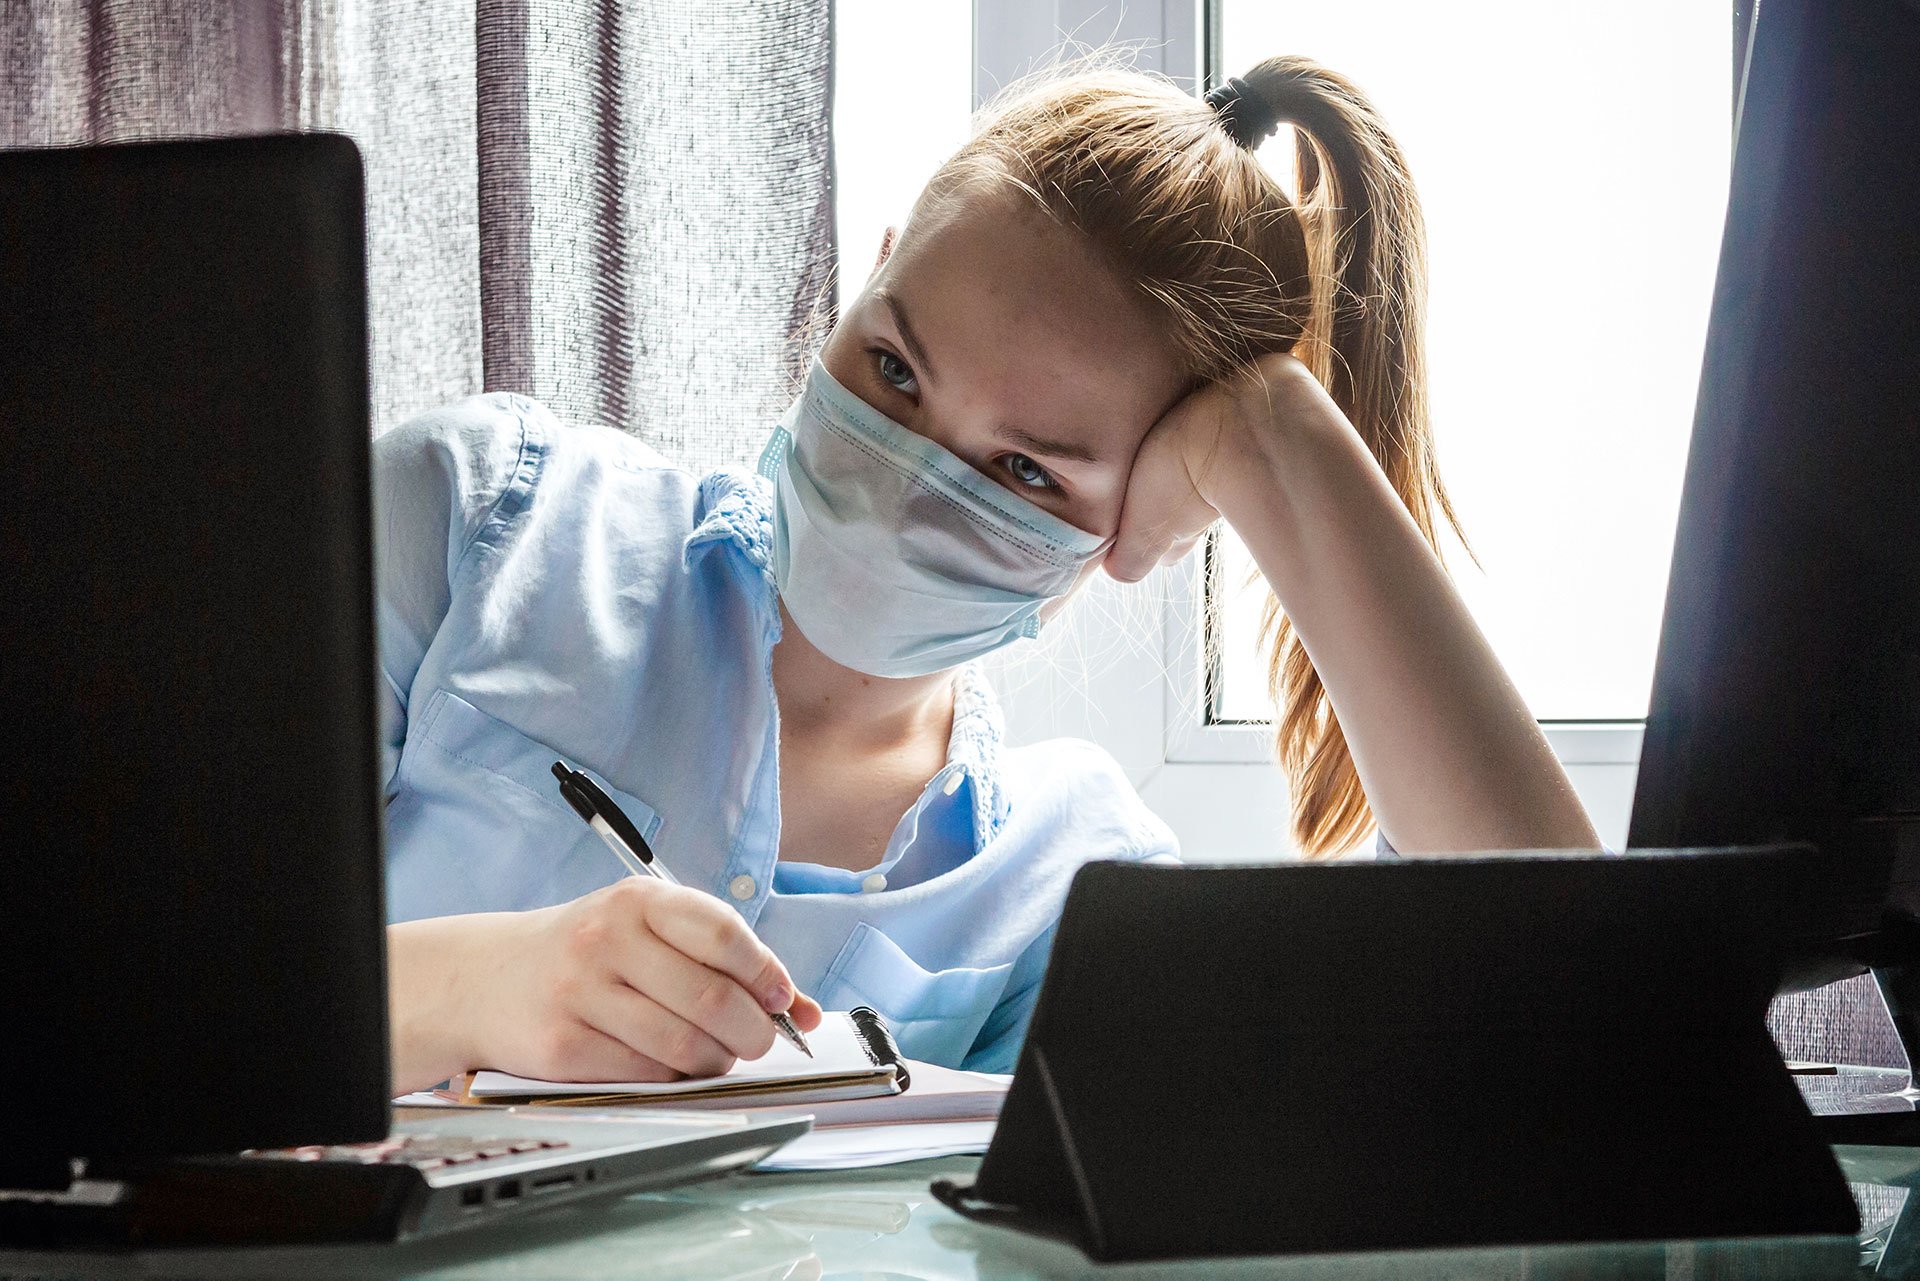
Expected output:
(1223, 430)
(640, 981)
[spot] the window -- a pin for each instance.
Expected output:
(1573, 162)
(903, 86)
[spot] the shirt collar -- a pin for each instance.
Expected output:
(973, 750)
(969, 779)
(737, 512)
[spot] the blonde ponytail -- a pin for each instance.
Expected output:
(1365, 341)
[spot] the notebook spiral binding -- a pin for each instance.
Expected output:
(877, 1042)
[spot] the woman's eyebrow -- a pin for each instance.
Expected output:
(1067, 449)
(914, 349)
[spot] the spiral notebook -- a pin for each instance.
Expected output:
(854, 1057)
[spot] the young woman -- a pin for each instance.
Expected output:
(1103, 327)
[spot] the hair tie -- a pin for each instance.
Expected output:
(1243, 114)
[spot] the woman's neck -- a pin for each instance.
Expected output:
(847, 711)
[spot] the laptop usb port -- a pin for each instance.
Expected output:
(553, 1182)
(474, 1197)
(507, 1190)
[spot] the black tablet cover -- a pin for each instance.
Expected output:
(1356, 1056)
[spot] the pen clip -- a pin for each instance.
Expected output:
(590, 800)
(573, 795)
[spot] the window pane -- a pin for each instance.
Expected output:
(903, 95)
(1240, 683)
(1573, 164)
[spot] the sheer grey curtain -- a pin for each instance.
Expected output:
(622, 209)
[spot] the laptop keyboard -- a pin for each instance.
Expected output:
(422, 1151)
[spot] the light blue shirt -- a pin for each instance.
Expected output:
(556, 592)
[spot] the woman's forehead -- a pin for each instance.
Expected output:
(997, 291)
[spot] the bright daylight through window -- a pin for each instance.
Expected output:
(902, 99)
(1573, 164)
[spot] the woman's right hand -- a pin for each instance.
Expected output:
(640, 981)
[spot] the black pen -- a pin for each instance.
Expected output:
(591, 802)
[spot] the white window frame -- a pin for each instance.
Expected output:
(1216, 783)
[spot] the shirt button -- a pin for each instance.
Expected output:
(953, 782)
(874, 884)
(742, 888)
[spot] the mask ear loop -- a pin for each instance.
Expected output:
(777, 446)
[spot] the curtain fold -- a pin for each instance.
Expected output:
(657, 182)
(117, 70)
(624, 210)
(399, 77)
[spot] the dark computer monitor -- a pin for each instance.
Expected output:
(1786, 703)
(192, 955)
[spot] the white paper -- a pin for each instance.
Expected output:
(851, 1147)
(423, 1099)
(836, 1051)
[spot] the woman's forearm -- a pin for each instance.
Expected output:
(426, 1025)
(1450, 756)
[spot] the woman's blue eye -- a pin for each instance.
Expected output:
(1028, 472)
(895, 370)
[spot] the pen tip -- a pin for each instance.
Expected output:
(792, 1033)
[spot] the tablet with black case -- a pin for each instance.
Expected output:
(1356, 1056)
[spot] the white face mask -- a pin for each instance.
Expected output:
(895, 557)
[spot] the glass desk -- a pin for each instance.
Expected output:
(883, 1223)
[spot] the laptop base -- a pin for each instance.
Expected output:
(250, 1200)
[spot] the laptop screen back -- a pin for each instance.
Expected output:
(194, 952)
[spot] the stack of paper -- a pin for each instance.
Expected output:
(937, 1094)
(945, 1113)
(845, 1147)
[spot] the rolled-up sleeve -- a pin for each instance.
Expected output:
(436, 480)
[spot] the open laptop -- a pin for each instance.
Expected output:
(192, 960)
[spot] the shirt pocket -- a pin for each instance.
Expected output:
(934, 1015)
(494, 806)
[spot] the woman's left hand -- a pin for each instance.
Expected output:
(1204, 439)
